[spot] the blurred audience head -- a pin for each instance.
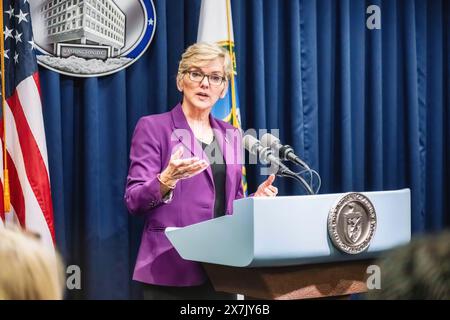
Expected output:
(28, 269)
(417, 271)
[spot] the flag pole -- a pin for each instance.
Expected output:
(6, 194)
(232, 56)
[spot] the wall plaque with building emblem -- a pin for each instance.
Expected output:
(88, 38)
(352, 223)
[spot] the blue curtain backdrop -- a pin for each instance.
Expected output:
(368, 109)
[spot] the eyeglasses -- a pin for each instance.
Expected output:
(213, 79)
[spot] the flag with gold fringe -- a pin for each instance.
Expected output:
(216, 25)
(24, 179)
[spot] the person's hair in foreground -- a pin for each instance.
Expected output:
(28, 269)
(419, 270)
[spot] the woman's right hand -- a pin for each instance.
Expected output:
(179, 168)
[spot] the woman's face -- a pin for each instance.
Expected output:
(203, 95)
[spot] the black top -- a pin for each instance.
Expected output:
(218, 168)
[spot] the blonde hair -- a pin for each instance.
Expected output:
(201, 53)
(28, 269)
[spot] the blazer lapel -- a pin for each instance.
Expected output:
(185, 135)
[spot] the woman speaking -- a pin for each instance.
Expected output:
(185, 167)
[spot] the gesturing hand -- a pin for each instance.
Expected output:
(179, 168)
(266, 189)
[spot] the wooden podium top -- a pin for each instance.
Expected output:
(295, 282)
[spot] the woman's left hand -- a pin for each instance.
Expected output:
(266, 189)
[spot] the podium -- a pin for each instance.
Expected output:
(297, 247)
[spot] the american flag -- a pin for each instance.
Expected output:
(26, 156)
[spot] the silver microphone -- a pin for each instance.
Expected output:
(265, 155)
(284, 152)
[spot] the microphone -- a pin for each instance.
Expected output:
(254, 146)
(285, 152)
(265, 154)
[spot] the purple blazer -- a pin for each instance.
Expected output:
(155, 138)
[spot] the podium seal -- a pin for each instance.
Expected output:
(352, 223)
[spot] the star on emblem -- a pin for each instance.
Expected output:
(150, 22)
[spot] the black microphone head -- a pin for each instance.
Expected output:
(269, 140)
(250, 143)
